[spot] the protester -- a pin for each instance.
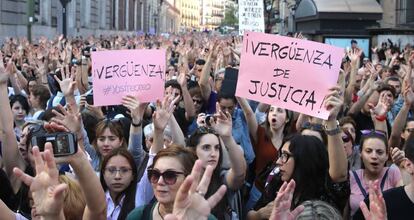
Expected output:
(252, 164)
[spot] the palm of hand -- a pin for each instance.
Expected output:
(161, 119)
(223, 127)
(43, 190)
(194, 207)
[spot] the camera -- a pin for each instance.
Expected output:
(64, 143)
(208, 119)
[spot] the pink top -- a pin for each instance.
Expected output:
(393, 178)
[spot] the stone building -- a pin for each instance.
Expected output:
(86, 17)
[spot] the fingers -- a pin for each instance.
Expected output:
(39, 164)
(364, 209)
(50, 160)
(183, 191)
(59, 192)
(297, 211)
(26, 179)
(205, 180)
(196, 174)
(217, 196)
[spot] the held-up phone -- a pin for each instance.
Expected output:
(89, 99)
(64, 143)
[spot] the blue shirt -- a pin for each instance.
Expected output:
(241, 135)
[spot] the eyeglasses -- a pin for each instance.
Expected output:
(112, 171)
(373, 132)
(284, 157)
(169, 176)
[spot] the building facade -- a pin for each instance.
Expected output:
(190, 15)
(212, 13)
(88, 17)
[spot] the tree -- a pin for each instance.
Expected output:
(230, 18)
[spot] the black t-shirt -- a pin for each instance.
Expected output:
(179, 115)
(6, 191)
(399, 206)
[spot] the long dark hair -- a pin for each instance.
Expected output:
(216, 181)
(129, 201)
(311, 171)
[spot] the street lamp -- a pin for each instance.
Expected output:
(64, 4)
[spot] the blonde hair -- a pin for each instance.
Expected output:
(74, 202)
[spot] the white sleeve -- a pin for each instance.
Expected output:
(144, 192)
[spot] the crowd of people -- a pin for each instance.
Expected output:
(200, 152)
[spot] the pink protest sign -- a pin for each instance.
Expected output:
(287, 72)
(117, 73)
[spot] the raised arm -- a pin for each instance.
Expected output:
(338, 164)
(160, 118)
(205, 73)
(237, 173)
(354, 57)
(137, 110)
(10, 152)
(357, 106)
(176, 132)
(188, 101)
(250, 117)
(400, 120)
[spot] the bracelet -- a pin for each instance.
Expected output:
(381, 117)
(136, 125)
(334, 131)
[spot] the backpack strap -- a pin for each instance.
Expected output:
(358, 181)
(384, 178)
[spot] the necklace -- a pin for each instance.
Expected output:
(159, 213)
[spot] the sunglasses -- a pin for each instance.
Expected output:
(169, 176)
(346, 138)
(373, 132)
(199, 101)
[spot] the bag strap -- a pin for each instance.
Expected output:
(358, 181)
(384, 178)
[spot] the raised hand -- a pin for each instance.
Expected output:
(163, 112)
(222, 122)
(68, 83)
(48, 194)
(283, 201)
(377, 208)
(382, 107)
(4, 74)
(68, 118)
(354, 55)
(136, 108)
(190, 202)
(333, 102)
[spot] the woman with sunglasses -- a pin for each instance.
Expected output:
(208, 144)
(352, 154)
(170, 167)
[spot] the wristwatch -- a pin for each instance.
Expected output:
(332, 132)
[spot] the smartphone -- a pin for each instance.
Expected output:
(64, 143)
(89, 99)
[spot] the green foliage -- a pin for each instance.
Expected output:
(230, 18)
